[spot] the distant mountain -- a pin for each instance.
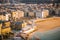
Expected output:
(39, 1)
(30, 1)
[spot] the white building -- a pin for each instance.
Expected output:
(17, 14)
(42, 14)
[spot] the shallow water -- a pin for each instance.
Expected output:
(48, 35)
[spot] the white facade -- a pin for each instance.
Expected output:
(39, 14)
(31, 13)
(18, 14)
(42, 14)
(7, 16)
(45, 13)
